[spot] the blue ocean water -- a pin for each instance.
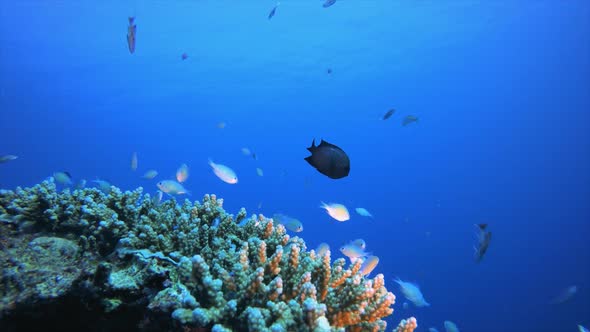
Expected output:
(501, 90)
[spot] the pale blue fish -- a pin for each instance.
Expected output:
(157, 199)
(359, 243)
(63, 178)
(353, 251)
(7, 158)
(363, 212)
(134, 161)
(182, 173)
(409, 119)
(152, 173)
(259, 171)
(172, 187)
(290, 223)
(223, 172)
(565, 294)
(322, 249)
(369, 265)
(450, 326)
(336, 211)
(103, 186)
(412, 292)
(432, 329)
(81, 184)
(582, 329)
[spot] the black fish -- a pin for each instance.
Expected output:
(483, 242)
(273, 11)
(328, 3)
(329, 160)
(388, 114)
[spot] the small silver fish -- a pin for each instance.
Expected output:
(134, 161)
(172, 187)
(7, 158)
(182, 173)
(103, 186)
(363, 212)
(157, 199)
(81, 184)
(290, 223)
(322, 249)
(224, 173)
(152, 173)
(131, 31)
(409, 119)
(484, 238)
(565, 294)
(64, 178)
(369, 265)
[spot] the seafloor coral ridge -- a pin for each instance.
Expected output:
(191, 262)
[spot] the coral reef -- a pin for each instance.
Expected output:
(119, 261)
(407, 325)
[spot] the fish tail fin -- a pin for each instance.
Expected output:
(210, 162)
(323, 205)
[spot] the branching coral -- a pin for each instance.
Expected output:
(202, 266)
(407, 325)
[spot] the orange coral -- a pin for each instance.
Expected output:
(244, 256)
(273, 264)
(268, 229)
(326, 273)
(262, 252)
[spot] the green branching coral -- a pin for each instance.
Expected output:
(182, 264)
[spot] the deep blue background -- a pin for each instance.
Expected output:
(501, 88)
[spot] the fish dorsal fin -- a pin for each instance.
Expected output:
(312, 147)
(326, 144)
(68, 174)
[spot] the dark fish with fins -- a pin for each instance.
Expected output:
(328, 3)
(131, 29)
(273, 11)
(483, 242)
(329, 160)
(388, 114)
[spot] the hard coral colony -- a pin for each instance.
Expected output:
(120, 259)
